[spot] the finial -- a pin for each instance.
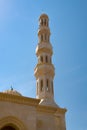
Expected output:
(11, 87)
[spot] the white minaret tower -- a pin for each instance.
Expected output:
(44, 70)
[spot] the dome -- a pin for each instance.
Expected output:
(43, 15)
(12, 91)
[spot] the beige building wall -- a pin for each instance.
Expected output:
(26, 114)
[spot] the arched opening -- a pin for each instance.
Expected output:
(52, 86)
(50, 60)
(41, 85)
(47, 82)
(8, 128)
(45, 37)
(41, 58)
(11, 123)
(46, 59)
(42, 22)
(41, 37)
(45, 22)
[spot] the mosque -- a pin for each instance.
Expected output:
(41, 113)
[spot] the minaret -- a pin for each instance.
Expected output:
(44, 70)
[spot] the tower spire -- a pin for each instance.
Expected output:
(44, 70)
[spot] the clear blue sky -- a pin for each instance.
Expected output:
(18, 40)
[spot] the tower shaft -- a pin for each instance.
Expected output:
(44, 70)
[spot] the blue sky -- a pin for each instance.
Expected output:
(18, 40)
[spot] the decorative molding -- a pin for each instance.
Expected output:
(13, 121)
(19, 99)
(49, 109)
(32, 102)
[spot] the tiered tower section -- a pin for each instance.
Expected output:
(44, 70)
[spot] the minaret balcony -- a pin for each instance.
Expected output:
(44, 69)
(43, 29)
(44, 47)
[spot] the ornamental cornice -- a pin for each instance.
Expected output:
(12, 120)
(18, 99)
(49, 109)
(41, 69)
(32, 102)
(44, 47)
(49, 65)
(61, 110)
(43, 30)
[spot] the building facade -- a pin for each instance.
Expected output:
(41, 113)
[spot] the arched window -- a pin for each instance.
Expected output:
(46, 59)
(45, 37)
(50, 60)
(41, 21)
(41, 58)
(47, 83)
(52, 86)
(41, 37)
(45, 22)
(8, 128)
(48, 38)
(41, 85)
